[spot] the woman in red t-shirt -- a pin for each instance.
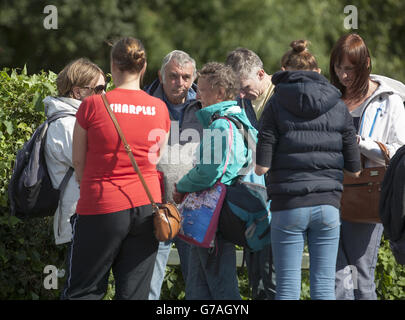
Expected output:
(113, 227)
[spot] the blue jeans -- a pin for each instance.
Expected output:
(357, 259)
(289, 229)
(212, 275)
(159, 269)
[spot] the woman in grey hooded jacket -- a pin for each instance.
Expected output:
(78, 80)
(378, 113)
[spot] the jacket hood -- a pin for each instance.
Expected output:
(388, 86)
(306, 94)
(223, 108)
(60, 104)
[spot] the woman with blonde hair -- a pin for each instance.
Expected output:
(113, 225)
(305, 141)
(78, 80)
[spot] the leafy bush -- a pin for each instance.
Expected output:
(26, 247)
(390, 277)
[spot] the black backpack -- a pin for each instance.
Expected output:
(30, 191)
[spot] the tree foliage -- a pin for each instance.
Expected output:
(207, 30)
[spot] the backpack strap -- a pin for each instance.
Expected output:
(61, 188)
(240, 126)
(65, 179)
(230, 140)
(58, 115)
(249, 142)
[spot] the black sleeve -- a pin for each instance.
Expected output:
(351, 152)
(267, 137)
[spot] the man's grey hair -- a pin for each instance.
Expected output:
(244, 62)
(181, 58)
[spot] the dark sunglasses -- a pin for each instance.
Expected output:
(98, 89)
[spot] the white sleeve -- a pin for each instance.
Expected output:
(370, 149)
(59, 140)
(395, 135)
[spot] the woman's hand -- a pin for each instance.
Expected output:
(259, 170)
(177, 196)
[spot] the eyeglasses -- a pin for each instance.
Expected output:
(98, 89)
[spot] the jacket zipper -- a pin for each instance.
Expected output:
(375, 117)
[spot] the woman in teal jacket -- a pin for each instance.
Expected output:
(212, 275)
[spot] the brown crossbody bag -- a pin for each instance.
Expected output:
(361, 196)
(166, 216)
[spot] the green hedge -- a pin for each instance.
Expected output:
(26, 247)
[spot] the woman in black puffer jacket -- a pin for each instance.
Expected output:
(306, 140)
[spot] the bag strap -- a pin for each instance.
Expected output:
(246, 137)
(61, 188)
(59, 115)
(129, 151)
(385, 152)
(230, 141)
(65, 179)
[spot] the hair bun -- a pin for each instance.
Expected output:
(137, 55)
(129, 54)
(299, 45)
(299, 57)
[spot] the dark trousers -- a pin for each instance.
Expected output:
(357, 260)
(122, 241)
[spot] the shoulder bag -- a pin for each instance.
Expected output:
(361, 196)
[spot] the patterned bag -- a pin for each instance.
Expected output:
(200, 210)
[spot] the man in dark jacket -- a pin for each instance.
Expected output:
(176, 88)
(256, 88)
